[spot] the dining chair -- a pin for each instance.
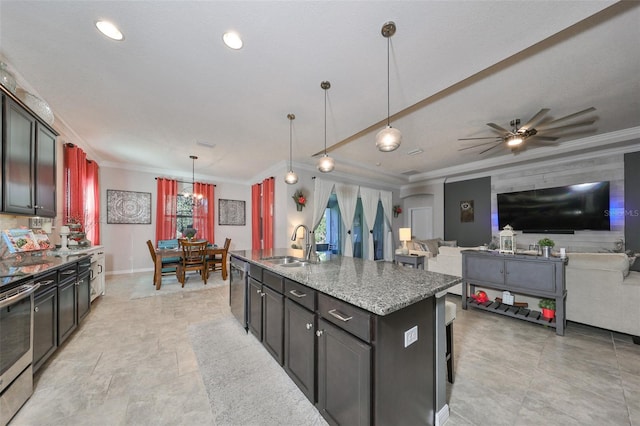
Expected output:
(169, 265)
(194, 258)
(218, 262)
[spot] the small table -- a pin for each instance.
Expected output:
(410, 259)
(165, 253)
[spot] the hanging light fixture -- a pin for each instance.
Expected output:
(291, 177)
(193, 196)
(326, 163)
(388, 139)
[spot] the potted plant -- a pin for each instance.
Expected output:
(546, 244)
(299, 199)
(548, 307)
(397, 210)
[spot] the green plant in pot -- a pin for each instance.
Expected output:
(548, 307)
(546, 244)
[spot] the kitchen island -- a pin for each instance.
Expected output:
(363, 340)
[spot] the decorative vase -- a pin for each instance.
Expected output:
(546, 251)
(548, 313)
(299, 207)
(6, 78)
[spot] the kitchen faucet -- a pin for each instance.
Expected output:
(307, 243)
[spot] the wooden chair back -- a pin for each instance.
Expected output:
(219, 262)
(194, 258)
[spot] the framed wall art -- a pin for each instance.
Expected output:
(466, 211)
(128, 207)
(231, 212)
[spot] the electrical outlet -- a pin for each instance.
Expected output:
(410, 336)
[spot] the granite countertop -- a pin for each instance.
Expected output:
(377, 287)
(20, 267)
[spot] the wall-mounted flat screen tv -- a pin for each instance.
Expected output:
(556, 210)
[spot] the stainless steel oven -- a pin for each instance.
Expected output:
(16, 348)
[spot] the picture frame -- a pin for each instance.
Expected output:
(128, 207)
(231, 212)
(466, 211)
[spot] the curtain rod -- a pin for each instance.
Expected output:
(184, 181)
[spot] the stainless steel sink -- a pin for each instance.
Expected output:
(296, 264)
(282, 260)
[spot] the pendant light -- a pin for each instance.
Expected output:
(291, 177)
(388, 139)
(326, 163)
(193, 196)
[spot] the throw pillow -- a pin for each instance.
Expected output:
(431, 245)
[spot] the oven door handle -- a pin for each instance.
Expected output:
(19, 296)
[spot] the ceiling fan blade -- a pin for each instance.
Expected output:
(489, 149)
(566, 117)
(498, 128)
(476, 145)
(534, 119)
(568, 126)
(473, 139)
(544, 138)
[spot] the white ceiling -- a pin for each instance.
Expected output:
(145, 103)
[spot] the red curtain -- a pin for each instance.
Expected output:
(268, 188)
(256, 232)
(166, 209)
(203, 212)
(81, 192)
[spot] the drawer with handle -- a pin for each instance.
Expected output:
(46, 281)
(348, 317)
(301, 294)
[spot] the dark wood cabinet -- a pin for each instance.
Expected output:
(83, 288)
(344, 376)
(300, 347)
(273, 323)
(45, 172)
(28, 162)
(67, 302)
(45, 325)
(254, 310)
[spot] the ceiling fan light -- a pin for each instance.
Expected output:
(388, 139)
(514, 140)
(291, 178)
(326, 164)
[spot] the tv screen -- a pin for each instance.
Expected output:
(560, 209)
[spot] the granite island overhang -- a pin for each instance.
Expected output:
(401, 367)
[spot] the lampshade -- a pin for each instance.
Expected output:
(388, 139)
(405, 234)
(514, 140)
(291, 177)
(326, 164)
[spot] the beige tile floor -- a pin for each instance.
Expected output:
(131, 363)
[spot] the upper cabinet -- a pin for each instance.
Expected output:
(29, 162)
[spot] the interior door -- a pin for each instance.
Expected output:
(421, 222)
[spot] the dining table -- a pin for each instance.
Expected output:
(165, 253)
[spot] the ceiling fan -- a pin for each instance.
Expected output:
(515, 139)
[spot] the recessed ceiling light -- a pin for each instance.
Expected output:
(232, 40)
(110, 30)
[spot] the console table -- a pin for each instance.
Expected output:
(531, 275)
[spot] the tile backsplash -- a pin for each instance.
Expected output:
(8, 221)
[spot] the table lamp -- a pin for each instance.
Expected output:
(405, 235)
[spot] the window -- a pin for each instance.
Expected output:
(184, 215)
(328, 231)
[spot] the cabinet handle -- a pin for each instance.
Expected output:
(319, 333)
(45, 282)
(69, 272)
(309, 326)
(337, 314)
(100, 266)
(296, 293)
(35, 309)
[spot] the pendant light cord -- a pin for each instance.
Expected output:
(290, 149)
(388, 85)
(325, 122)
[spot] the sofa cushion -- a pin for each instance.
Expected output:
(603, 261)
(452, 243)
(429, 245)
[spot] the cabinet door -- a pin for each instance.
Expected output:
(83, 287)
(483, 269)
(67, 309)
(273, 323)
(45, 326)
(45, 172)
(254, 318)
(300, 347)
(344, 376)
(18, 154)
(537, 278)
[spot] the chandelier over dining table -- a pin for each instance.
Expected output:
(193, 195)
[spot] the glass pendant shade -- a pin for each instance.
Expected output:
(7, 79)
(326, 164)
(388, 139)
(291, 177)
